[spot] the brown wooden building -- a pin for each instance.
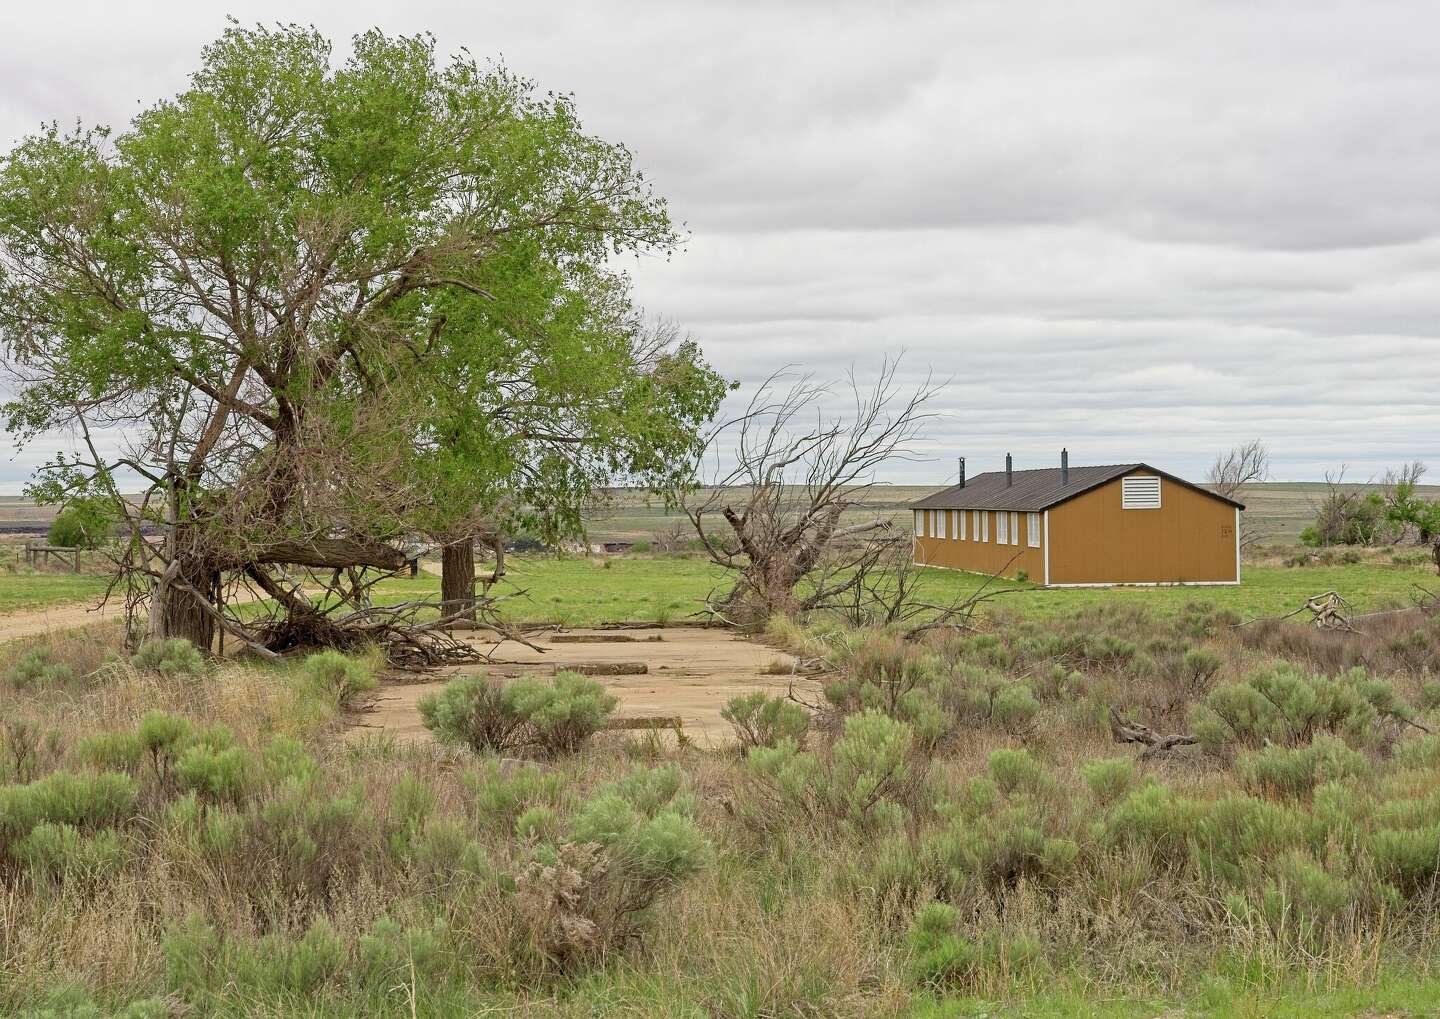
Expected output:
(1082, 527)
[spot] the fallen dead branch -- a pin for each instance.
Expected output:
(1137, 732)
(1328, 611)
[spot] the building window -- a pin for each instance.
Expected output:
(954, 525)
(1032, 529)
(940, 516)
(1002, 536)
(984, 525)
(962, 514)
(1140, 493)
(919, 524)
(1014, 528)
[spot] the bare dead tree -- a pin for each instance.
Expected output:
(1348, 513)
(1242, 465)
(1233, 472)
(793, 473)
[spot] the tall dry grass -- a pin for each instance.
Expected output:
(1108, 885)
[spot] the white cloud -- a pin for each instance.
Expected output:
(1139, 235)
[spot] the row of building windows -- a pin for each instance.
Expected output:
(974, 525)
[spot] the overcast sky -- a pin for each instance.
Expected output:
(1144, 230)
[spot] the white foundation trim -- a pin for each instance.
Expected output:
(1156, 583)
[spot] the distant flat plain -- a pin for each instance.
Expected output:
(1278, 510)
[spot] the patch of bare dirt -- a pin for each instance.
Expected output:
(692, 672)
(33, 622)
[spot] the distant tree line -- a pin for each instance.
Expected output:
(1392, 513)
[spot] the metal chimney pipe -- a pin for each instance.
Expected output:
(1064, 467)
(1009, 464)
(962, 472)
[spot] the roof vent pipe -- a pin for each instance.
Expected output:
(1064, 467)
(1008, 471)
(962, 472)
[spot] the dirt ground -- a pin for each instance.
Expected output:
(692, 673)
(29, 623)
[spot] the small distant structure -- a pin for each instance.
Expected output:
(1081, 526)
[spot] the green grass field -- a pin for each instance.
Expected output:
(587, 592)
(22, 592)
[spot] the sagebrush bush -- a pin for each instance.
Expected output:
(112, 751)
(1287, 706)
(1296, 771)
(37, 669)
(83, 803)
(313, 834)
(563, 713)
(216, 774)
(941, 959)
(473, 711)
(337, 677)
(63, 851)
(862, 782)
(163, 736)
(760, 720)
(629, 845)
(504, 790)
(204, 965)
(1110, 778)
(171, 658)
(553, 718)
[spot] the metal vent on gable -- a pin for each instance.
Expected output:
(1140, 493)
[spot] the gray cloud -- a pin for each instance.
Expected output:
(1141, 232)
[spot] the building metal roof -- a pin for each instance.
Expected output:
(1035, 490)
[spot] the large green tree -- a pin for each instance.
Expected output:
(330, 304)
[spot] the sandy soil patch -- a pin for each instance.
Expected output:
(692, 673)
(32, 622)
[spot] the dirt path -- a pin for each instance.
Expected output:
(692, 673)
(66, 616)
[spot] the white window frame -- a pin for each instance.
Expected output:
(963, 514)
(940, 520)
(984, 525)
(1140, 492)
(1002, 535)
(955, 525)
(1014, 528)
(1032, 529)
(919, 523)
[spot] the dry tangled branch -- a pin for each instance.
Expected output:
(1137, 732)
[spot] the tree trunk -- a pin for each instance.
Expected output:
(457, 578)
(176, 608)
(179, 612)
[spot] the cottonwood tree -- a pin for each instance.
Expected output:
(252, 281)
(1405, 507)
(1233, 472)
(525, 425)
(787, 473)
